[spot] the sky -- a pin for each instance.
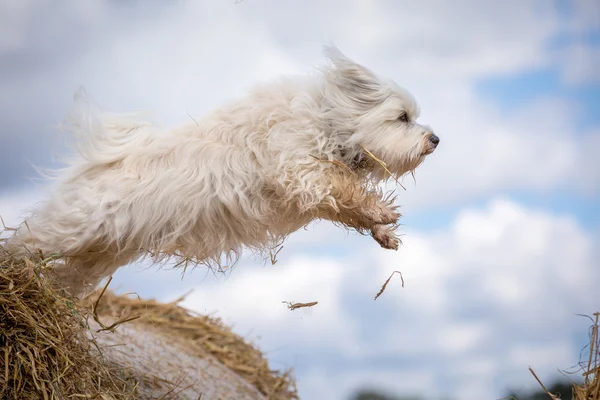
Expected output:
(500, 228)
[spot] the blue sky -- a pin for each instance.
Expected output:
(511, 92)
(499, 231)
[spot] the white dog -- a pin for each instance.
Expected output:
(246, 175)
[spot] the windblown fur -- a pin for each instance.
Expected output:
(245, 175)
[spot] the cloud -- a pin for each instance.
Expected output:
(14, 205)
(580, 63)
(583, 17)
(253, 293)
(429, 40)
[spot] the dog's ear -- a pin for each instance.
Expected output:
(351, 78)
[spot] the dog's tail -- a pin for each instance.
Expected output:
(99, 137)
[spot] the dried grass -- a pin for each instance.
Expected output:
(294, 306)
(383, 165)
(384, 286)
(590, 388)
(47, 350)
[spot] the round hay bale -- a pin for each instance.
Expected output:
(118, 347)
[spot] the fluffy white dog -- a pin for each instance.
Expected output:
(246, 175)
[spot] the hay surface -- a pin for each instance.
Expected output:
(52, 347)
(201, 336)
(162, 370)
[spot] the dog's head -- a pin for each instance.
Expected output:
(368, 114)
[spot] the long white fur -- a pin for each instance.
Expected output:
(245, 175)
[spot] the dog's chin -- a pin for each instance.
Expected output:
(429, 148)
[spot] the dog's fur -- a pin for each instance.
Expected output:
(246, 175)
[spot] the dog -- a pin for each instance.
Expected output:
(246, 175)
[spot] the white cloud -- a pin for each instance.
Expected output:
(256, 294)
(584, 16)
(581, 63)
(544, 355)
(15, 204)
(421, 40)
(12, 17)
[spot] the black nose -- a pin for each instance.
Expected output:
(434, 139)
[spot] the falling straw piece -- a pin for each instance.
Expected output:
(293, 306)
(6, 228)
(386, 283)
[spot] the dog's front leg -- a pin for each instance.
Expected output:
(353, 206)
(385, 236)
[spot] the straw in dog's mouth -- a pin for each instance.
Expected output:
(383, 165)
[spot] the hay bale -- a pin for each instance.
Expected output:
(162, 369)
(54, 347)
(205, 337)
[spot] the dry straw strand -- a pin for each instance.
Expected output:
(383, 165)
(337, 163)
(293, 306)
(589, 389)
(386, 283)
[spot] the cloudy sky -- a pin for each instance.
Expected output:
(499, 228)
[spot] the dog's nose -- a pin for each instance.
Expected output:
(434, 139)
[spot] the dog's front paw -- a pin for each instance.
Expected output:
(384, 215)
(384, 235)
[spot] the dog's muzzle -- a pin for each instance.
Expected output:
(432, 141)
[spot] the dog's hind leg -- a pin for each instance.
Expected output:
(84, 252)
(80, 275)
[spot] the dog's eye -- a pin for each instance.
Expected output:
(403, 117)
